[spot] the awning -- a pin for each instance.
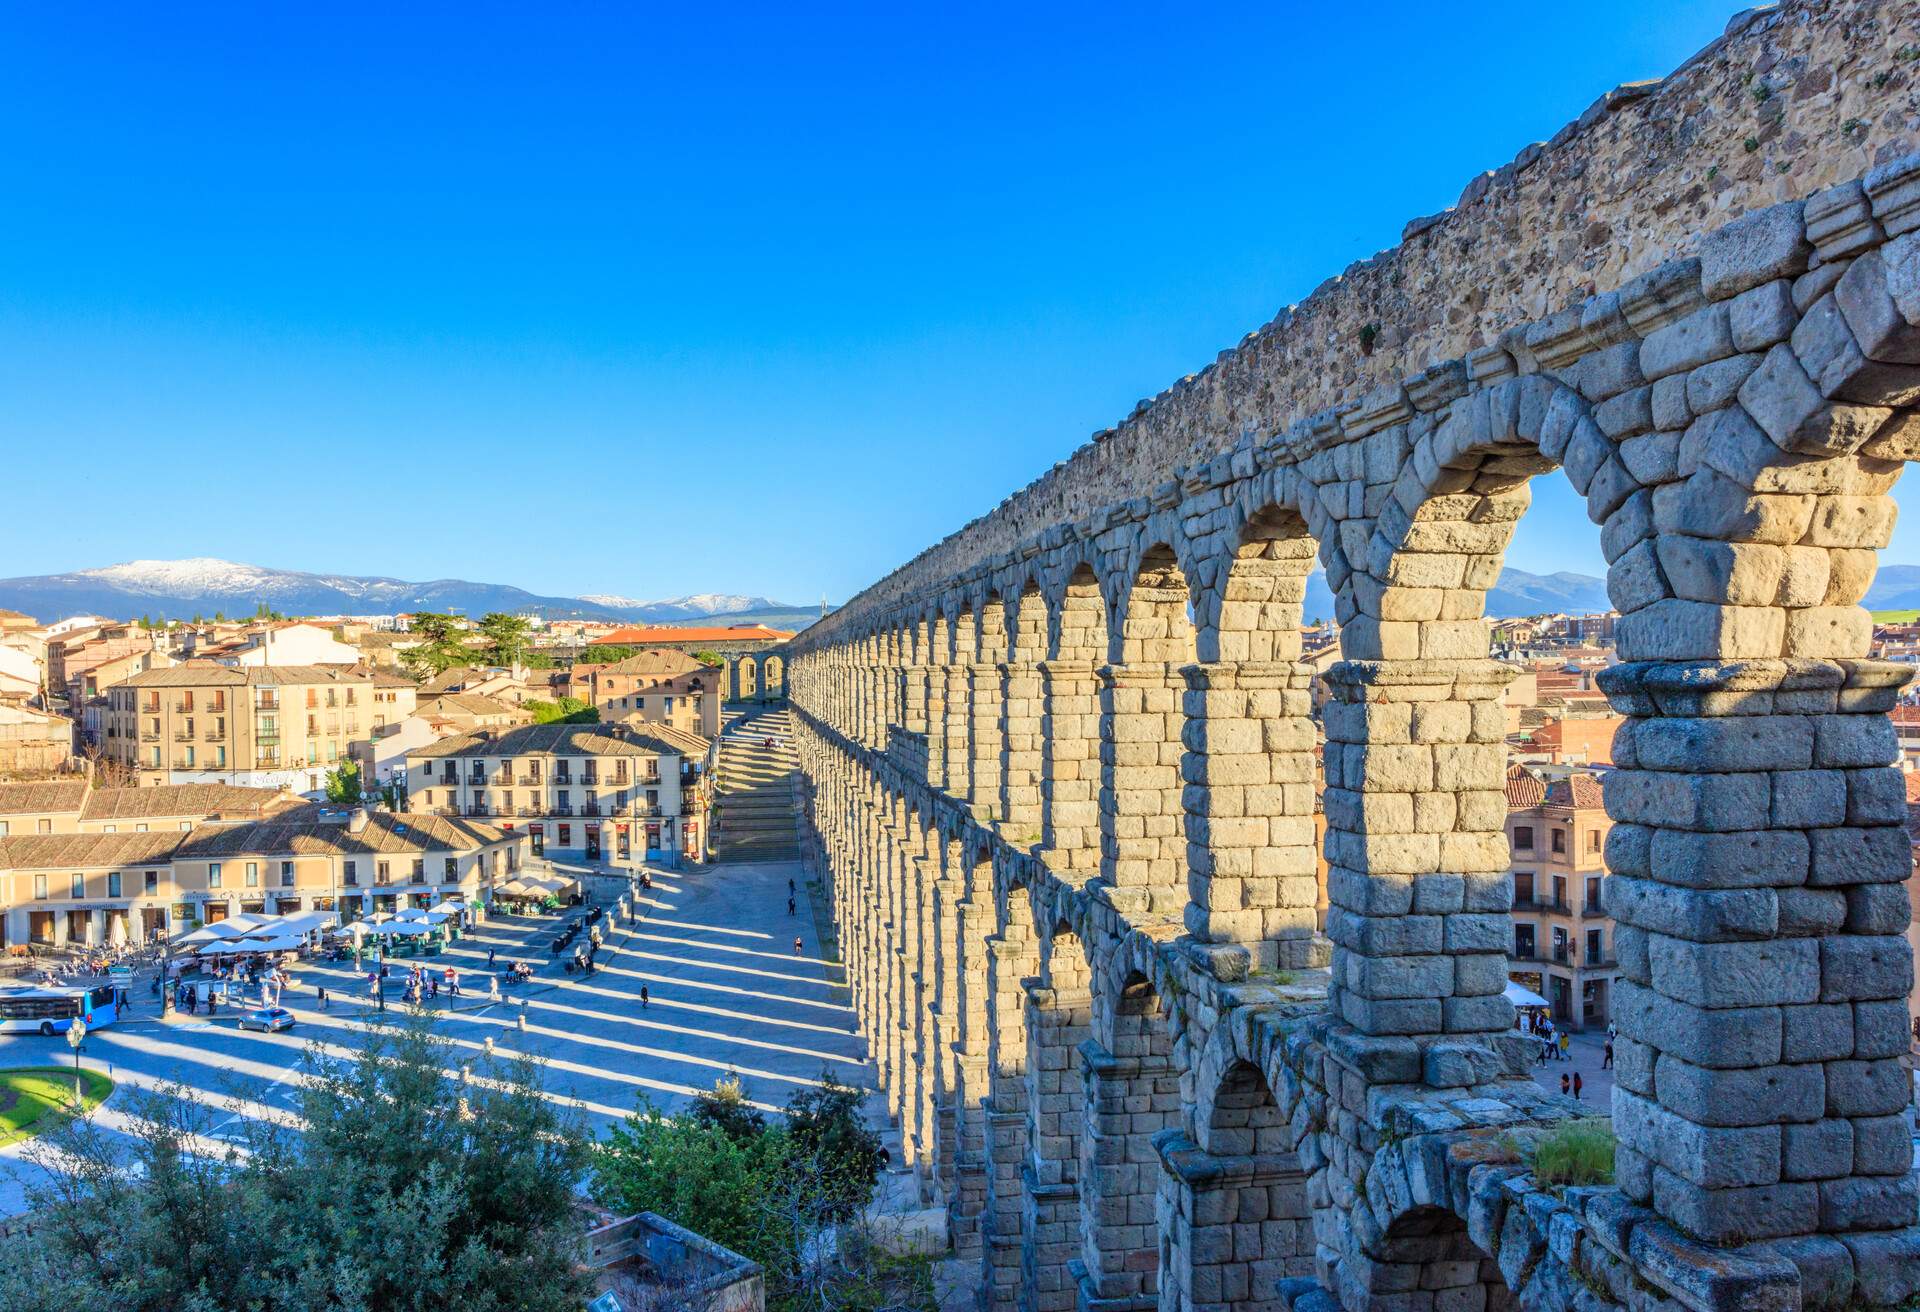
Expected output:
(1522, 996)
(219, 929)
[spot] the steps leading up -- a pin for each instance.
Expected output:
(757, 813)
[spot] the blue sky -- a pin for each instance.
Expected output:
(652, 301)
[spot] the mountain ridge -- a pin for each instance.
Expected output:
(202, 585)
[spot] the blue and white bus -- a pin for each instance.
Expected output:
(51, 1009)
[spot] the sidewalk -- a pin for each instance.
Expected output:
(1587, 1054)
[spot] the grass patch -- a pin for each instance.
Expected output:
(33, 1097)
(1575, 1152)
(1895, 616)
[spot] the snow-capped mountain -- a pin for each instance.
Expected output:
(700, 603)
(203, 585)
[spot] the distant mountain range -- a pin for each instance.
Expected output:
(1516, 593)
(181, 589)
(1895, 587)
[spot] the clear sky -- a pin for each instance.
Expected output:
(654, 300)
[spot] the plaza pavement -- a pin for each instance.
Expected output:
(714, 949)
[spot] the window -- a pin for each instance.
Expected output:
(566, 835)
(383, 871)
(153, 881)
(1522, 888)
(113, 883)
(419, 869)
(1560, 840)
(1523, 837)
(213, 874)
(40, 887)
(286, 874)
(44, 826)
(349, 875)
(452, 868)
(79, 886)
(109, 829)
(1594, 955)
(253, 874)
(1593, 840)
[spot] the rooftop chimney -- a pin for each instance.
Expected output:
(357, 822)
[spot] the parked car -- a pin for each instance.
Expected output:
(267, 1020)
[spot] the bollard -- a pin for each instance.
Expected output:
(489, 1045)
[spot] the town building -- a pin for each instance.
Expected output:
(721, 640)
(1562, 937)
(288, 642)
(656, 686)
(100, 887)
(581, 792)
(33, 741)
(79, 806)
(266, 726)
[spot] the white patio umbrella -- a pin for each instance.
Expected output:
(406, 928)
(282, 943)
(410, 913)
(251, 919)
(1522, 996)
(218, 930)
(449, 907)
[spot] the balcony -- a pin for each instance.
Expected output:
(446, 810)
(183, 735)
(267, 704)
(183, 763)
(1593, 909)
(560, 808)
(503, 780)
(216, 735)
(529, 781)
(563, 781)
(266, 739)
(531, 811)
(1523, 954)
(479, 808)
(590, 808)
(149, 735)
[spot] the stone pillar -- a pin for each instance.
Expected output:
(1058, 1022)
(943, 1011)
(1070, 769)
(983, 737)
(1249, 800)
(1760, 863)
(973, 1093)
(1011, 957)
(1142, 819)
(1127, 1100)
(934, 699)
(1419, 880)
(955, 747)
(1232, 1225)
(1021, 741)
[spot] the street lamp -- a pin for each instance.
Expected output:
(76, 1035)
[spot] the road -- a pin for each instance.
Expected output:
(714, 949)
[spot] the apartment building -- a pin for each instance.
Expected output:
(99, 887)
(78, 806)
(33, 741)
(580, 792)
(656, 686)
(1562, 937)
(267, 726)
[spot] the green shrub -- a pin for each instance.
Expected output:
(1575, 1152)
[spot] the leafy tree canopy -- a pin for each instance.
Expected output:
(442, 645)
(507, 637)
(567, 710)
(404, 1191)
(343, 782)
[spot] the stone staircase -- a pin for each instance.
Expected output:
(758, 818)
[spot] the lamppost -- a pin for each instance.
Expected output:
(76, 1035)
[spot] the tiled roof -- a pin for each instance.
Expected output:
(565, 740)
(192, 675)
(184, 800)
(42, 798)
(636, 637)
(384, 833)
(1580, 791)
(655, 661)
(467, 703)
(1912, 778)
(1524, 788)
(86, 851)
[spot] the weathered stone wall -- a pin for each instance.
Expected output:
(1824, 90)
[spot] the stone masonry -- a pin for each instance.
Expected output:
(1060, 769)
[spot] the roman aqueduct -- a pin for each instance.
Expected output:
(1061, 768)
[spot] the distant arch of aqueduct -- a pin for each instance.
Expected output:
(1061, 767)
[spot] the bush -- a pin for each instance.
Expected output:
(1575, 1152)
(725, 1108)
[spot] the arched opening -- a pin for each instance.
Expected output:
(973, 965)
(1142, 817)
(1235, 1212)
(1426, 1248)
(984, 676)
(1013, 957)
(954, 652)
(1070, 730)
(1020, 715)
(774, 681)
(1131, 1093)
(1059, 1021)
(1253, 831)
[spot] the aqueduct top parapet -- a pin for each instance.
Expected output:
(1783, 106)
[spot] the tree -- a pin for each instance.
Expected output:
(343, 782)
(403, 1190)
(725, 1107)
(709, 659)
(441, 647)
(219, 617)
(567, 710)
(604, 655)
(506, 637)
(826, 1127)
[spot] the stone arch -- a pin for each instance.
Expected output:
(773, 681)
(1425, 1247)
(1070, 727)
(1142, 815)
(1263, 584)
(984, 694)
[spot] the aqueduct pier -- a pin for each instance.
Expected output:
(1061, 768)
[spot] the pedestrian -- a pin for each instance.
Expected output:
(790, 906)
(489, 958)
(643, 995)
(1565, 1086)
(321, 990)
(1577, 1082)
(1545, 1048)
(791, 890)
(1606, 1061)
(796, 945)
(1566, 1046)
(453, 981)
